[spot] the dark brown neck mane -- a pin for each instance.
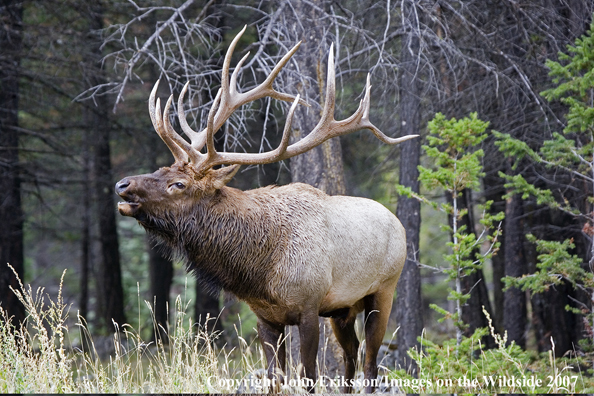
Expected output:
(228, 241)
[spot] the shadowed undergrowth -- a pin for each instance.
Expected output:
(507, 368)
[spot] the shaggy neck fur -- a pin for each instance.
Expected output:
(230, 240)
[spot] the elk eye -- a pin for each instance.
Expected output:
(179, 185)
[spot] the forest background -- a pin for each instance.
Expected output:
(75, 78)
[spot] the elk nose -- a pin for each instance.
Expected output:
(121, 186)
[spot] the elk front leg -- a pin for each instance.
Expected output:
(272, 340)
(309, 332)
(377, 312)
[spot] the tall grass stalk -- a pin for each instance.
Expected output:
(33, 358)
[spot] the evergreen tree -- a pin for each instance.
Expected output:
(568, 159)
(457, 167)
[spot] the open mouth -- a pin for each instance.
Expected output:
(128, 208)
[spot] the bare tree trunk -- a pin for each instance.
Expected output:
(207, 306)
(110, 272)
(494, 192)
(110, 281)
(85, 230)
(85, 241)
(474, 284)
(207, 303)
(408, 307)
(161, 276)
(514, 317)
(160, 266)
(321, 167)
(11, 213)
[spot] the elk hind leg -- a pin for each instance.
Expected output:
(344, 330)
(309, 333)
(377, 313)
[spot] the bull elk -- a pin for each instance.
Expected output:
(292, 253)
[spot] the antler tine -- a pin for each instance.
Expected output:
(225, 83)
(181, 115)
(210, 129)
(235, 99)
(198, 139)
(330, 100)
(228, 89)
(365, 104)
(194, 155)
(266, 89)
(233, 81)
(287, 131)
(155, 113)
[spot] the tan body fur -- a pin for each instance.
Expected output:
(337, 250)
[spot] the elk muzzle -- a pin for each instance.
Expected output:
(131, 204)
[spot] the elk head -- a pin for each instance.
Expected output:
(193, 176)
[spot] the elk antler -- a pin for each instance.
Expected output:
(228, 100)
(231, 99)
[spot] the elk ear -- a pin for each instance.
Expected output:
(222, 176)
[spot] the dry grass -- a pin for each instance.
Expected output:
(40, 357)
(45, 357)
